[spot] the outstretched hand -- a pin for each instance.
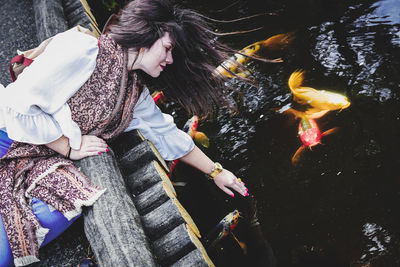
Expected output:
(226, 180)
(90, 146)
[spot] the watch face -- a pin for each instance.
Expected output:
(218, 166)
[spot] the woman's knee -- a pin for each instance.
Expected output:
(54, 220)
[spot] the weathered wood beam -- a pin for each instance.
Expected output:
(75, 14)
(166, 217)
(112, 225)
(153, 198)
(173, 246)
(49, 18)
(193, 258)
(147, 176)
(125, 142)
(140, 155)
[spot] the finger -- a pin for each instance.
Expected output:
(226, 190)
(94, 153)
(241, 184)
(96, 148)
(239, 189)
(95, 139)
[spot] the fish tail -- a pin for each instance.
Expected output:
(296, 156)
(296, 80)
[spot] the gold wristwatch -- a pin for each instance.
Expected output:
(216, 170)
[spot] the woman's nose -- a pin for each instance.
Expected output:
(169, 59)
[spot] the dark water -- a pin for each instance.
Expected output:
(340, 205)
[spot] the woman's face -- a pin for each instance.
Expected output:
(153, 60)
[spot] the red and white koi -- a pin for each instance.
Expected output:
(308, 131)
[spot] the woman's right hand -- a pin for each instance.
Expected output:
(90, 146)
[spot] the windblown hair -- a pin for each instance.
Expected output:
(191, 80)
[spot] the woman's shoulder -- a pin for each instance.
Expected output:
(74, 38)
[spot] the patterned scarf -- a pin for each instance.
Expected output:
(103, 106)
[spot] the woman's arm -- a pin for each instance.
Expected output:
(223, 180)
(91, 145)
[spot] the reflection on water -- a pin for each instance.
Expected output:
(378, 239)
(388, 9)
(339, 207)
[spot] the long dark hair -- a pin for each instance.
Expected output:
(191, 80)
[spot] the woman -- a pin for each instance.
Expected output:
(82, 92)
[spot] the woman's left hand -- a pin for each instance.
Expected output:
(227, 179)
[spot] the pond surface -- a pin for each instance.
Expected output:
(340, 205)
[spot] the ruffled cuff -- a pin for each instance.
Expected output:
(174, 145)
(39, 128)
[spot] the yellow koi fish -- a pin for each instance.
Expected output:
(319, 100)
(235, 63)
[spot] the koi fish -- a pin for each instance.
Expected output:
(235, 63)
(308, 131)
(190, 128)
(158, 96)
(319, 100)
(223, 229)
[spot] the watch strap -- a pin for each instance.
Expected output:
(216, 170)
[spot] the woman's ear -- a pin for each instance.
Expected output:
(109, 22)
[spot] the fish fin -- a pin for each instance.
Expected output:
(242, 245)
(330, 131)
(296, 80)
(202, 139)
(297, 114)
(279, 41)
(315, 113)
(296, 156)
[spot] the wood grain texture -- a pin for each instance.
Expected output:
(112, 225)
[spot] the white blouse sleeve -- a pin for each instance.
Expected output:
(159, 128)
(33, 109)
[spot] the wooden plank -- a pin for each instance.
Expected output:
(49, 18)
(173, 246)
(147, 176)
(194, 258)
(153, 197)
(162, 220)
(112, 225)
(179, 242)
(165, 218)
(140, 155)
(125, 142)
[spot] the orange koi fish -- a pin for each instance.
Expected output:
(190, 128)
(309, 132)
(234, 64)
(319, 100)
